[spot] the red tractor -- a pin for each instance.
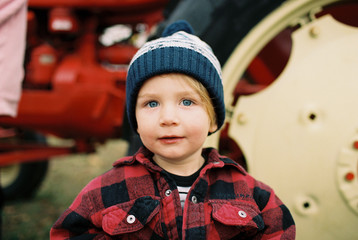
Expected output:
(74, 87)
(276, 92)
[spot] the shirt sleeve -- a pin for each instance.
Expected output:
(279, 223)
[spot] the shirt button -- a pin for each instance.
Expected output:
(130, 219)
(242, 214)
(168, 192)
(194, 199)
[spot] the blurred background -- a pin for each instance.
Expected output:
(289, 70)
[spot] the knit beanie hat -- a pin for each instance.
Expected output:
(177, 51)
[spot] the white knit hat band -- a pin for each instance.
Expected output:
(181, 40)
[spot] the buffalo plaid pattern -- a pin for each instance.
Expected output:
(136, 199)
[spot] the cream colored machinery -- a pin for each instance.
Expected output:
(300, 134)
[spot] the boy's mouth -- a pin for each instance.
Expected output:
(170, 139)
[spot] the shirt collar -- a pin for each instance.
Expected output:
(215, 160)
(143, 156)
(212, 156)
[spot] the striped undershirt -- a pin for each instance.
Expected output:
(183, 192)
(184, 184)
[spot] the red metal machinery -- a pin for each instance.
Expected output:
(75, 85)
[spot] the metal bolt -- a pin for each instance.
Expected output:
(241, 118)
(314, 32)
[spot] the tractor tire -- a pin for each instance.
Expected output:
(23, 180)
(27, 181)
(222, 24)
(269, 164)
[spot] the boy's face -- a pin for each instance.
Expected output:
(172, 120)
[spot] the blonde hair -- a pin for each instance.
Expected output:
(204, 95)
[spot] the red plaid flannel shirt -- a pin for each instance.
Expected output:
(138, 200)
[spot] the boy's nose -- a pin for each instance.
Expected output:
(168, 116)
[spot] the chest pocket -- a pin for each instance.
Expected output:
(132, 216)
(234, 218)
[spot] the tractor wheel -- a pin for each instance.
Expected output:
(304, 149)
(293, 54)
(21, 181)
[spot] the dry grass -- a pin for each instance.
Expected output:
(32, 219)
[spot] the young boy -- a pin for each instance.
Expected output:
(172, 188)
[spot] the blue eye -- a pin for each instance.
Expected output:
(187, 102)
(152, 104)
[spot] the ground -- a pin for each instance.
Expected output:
(32, 219)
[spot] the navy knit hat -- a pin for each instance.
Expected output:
(177, 51)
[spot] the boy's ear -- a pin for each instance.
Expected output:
(213, 127)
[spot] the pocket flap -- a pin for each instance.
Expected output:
(129, 216)
(237, 213)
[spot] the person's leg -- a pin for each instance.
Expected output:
(13, 19)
